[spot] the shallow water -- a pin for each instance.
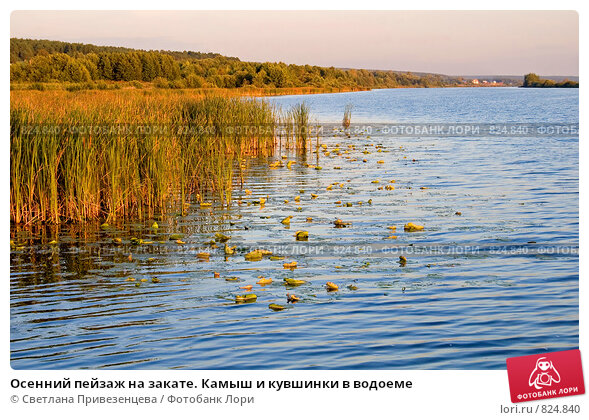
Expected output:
(474, 291)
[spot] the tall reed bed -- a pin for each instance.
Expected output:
(108, 155)
(294, 124)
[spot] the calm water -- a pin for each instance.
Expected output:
(71, 306)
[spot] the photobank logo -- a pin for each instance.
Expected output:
(547, 375)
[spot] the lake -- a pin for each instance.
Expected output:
(493, 274)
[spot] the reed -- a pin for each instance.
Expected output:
(100, 155)
(347, 116)
(298, 123)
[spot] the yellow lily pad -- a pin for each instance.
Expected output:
(250, 297)
(294, 282)
(264, 281)
(203, 256)
(412, 227)
(219, 237)
(302, 235)
(255, 255)
(331, 287)
(339, 223)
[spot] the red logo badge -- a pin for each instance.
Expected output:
(547, 375)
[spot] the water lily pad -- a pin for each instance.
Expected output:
(263, 281)
(331, 287)
(294, 282)
(250, 297)
(412, 227)
(219, 237)
(203, 256)
(301, 235)
(339, 223)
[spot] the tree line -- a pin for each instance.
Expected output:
(25, 49)
(533, 80)
(54, 61)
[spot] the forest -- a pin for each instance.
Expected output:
(533, 80)
(43, 61)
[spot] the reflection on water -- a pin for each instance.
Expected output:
(87, 302)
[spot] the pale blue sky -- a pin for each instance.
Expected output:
(450, 42)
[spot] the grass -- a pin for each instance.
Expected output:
(65, 166)
(242, 91)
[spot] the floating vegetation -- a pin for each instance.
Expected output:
(341, 224)
(219, 237)
(276, 307)
(331, 287)
(412, 227)
(264, 281)
(257, 254)
(250, 297)
(301, 235)
(294, 282)
(290, 265)
(204, 256)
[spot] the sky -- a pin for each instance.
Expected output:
(447, 42)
